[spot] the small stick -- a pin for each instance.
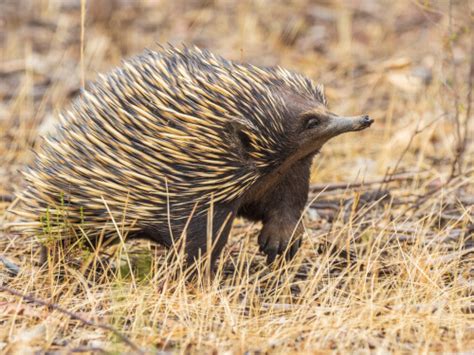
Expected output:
(73, 315)
(345, 185)
(422, 199)
(416, 132)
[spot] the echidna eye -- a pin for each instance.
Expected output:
(312, 122)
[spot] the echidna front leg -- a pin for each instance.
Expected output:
(280, 235)
(282, 208)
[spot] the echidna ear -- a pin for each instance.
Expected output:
(239, 131)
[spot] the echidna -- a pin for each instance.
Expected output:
(180, 142)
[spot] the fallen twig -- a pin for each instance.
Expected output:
(73, 315)
(422, 199)
(346, 185)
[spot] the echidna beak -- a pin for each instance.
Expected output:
(366, 122)
(351, 124)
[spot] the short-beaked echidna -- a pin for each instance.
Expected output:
(179, 142)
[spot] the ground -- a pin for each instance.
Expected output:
(387, 263)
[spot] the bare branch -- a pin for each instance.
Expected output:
(73, 315)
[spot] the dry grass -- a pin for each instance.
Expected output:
(392, 272)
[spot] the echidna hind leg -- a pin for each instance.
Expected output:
(159, 234)
(43, 257)
(197, 234)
